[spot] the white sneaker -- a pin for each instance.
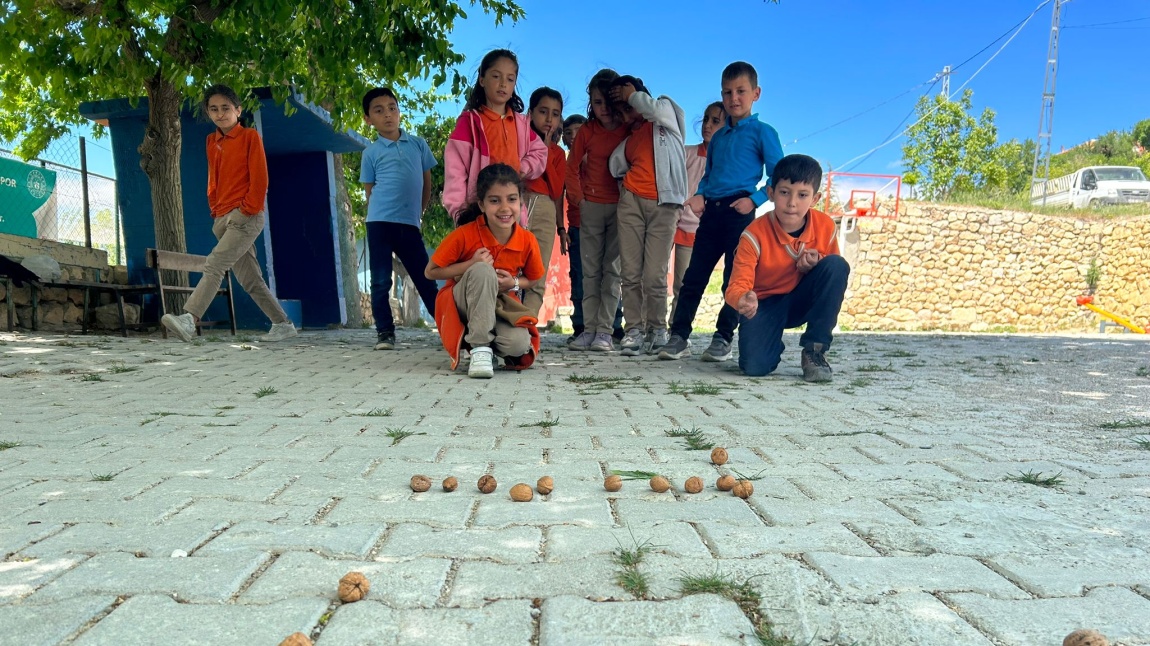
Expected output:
(658, 339)
(183, 326)
(480, 367)
(632, 343)
(280, 331)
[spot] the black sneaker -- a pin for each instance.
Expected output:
(385, 341)
(677, 348)
(718, 351)
(814, 362)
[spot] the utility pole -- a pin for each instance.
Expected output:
(946, 82)
(1046, 118)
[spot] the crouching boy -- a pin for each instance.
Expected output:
(787, 272)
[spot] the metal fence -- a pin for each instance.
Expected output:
(87, 211)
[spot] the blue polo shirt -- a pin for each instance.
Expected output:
(396, 169)
(737, 159)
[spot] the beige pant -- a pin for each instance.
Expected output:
(542, 226)
(682, 261)
(646, 235)
(599, 250)
(235, 250)
(475, 295)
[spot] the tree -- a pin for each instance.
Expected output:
(59, 53)
(436, 130)
(1017, 159)
(1142, 134)
(948, 150)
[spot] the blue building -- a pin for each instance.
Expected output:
(300, 249)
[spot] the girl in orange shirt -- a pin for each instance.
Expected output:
(545, 194)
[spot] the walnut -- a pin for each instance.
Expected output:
(725, 483)
(487, 484)
(693, 484)
(613, 483)
(719, 455)
(296, 639)
(1085, 637)
(450, 483)
(521, 492)
(353, 587)
(545, 485)
(420, 483)
(743, 489)
(659, 484)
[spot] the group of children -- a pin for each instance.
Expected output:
(633, 195)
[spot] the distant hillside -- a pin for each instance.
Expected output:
(1115, 148)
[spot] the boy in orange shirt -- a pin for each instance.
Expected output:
(787, 272)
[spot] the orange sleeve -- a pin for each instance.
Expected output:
(257, 175)
(574, 182)
(742, 270)
(450, 251)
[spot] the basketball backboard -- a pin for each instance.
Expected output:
(862, 195)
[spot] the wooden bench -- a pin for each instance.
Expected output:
(161, 261)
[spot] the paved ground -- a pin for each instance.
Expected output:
(152, 496)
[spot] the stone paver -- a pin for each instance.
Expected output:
(881, 514)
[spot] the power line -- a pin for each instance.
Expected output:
(891, 133)
(1105, 24)
(1004, 35)
(857, 115)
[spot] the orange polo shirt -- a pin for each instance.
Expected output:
(765, 259)
(502, 139)
(640, 151)
(550, 183)
(588, 176)
(237, 171)
(519, 255)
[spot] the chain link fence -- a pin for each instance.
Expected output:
(84, 210)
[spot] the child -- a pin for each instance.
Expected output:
(485, 262)
(571, 127)
(652, 166)
(713, 118)
(739, 153)
(491, 130)
(545, 193)
(400, 164)
(591, 185)
(788, 272)
(237, 187)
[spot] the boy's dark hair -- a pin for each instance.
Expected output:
(798, 169)
(221, 90)
(741, 68)
(376, 92)
(488, 177)
(575, 119)
(478, 97)
(630, 80)
(602, 82)
(538, 95)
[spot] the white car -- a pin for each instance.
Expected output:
(1093, 186)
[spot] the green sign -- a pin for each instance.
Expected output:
(25, 197)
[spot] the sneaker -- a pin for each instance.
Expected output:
(480, 367)
(575, 334)
(602, 343)
(581, 343)
(280, 331)
(815, 366)
(718, 351)
(676, 348)
(657, 340)
(385, 341)
(183, 326)
(632, 343)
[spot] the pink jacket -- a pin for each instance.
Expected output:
(696, 164)
(467, 153)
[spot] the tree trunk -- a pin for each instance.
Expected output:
(349, 262)
(160, 160)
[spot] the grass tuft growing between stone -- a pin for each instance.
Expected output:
(103, 477)
(92, 377)
(694, 388)
(1036, 478)
(4, 446)
(265, 391)
(120, 367)
(543, 423)
(375, 412)
(629, 576)
(693, 439)
(1140, 442)
(1120, 424)
(745, 596)
(398, 435)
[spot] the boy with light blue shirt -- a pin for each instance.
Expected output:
(739, 155)
(396, 174)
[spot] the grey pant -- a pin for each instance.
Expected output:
(475, 295)
(646, 235)
(541, 223)
(682, 261)
(235, 250)
(599, 249)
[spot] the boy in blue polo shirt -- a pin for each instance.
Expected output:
(739, 155)
(396, 174)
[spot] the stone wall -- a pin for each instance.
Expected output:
(972, 269)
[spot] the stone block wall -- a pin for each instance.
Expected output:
(966, 268)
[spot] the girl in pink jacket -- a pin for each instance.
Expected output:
(713, 118)
(491, 130)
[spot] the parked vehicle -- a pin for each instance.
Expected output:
(1093, 186)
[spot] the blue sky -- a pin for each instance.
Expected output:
(821, 61)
